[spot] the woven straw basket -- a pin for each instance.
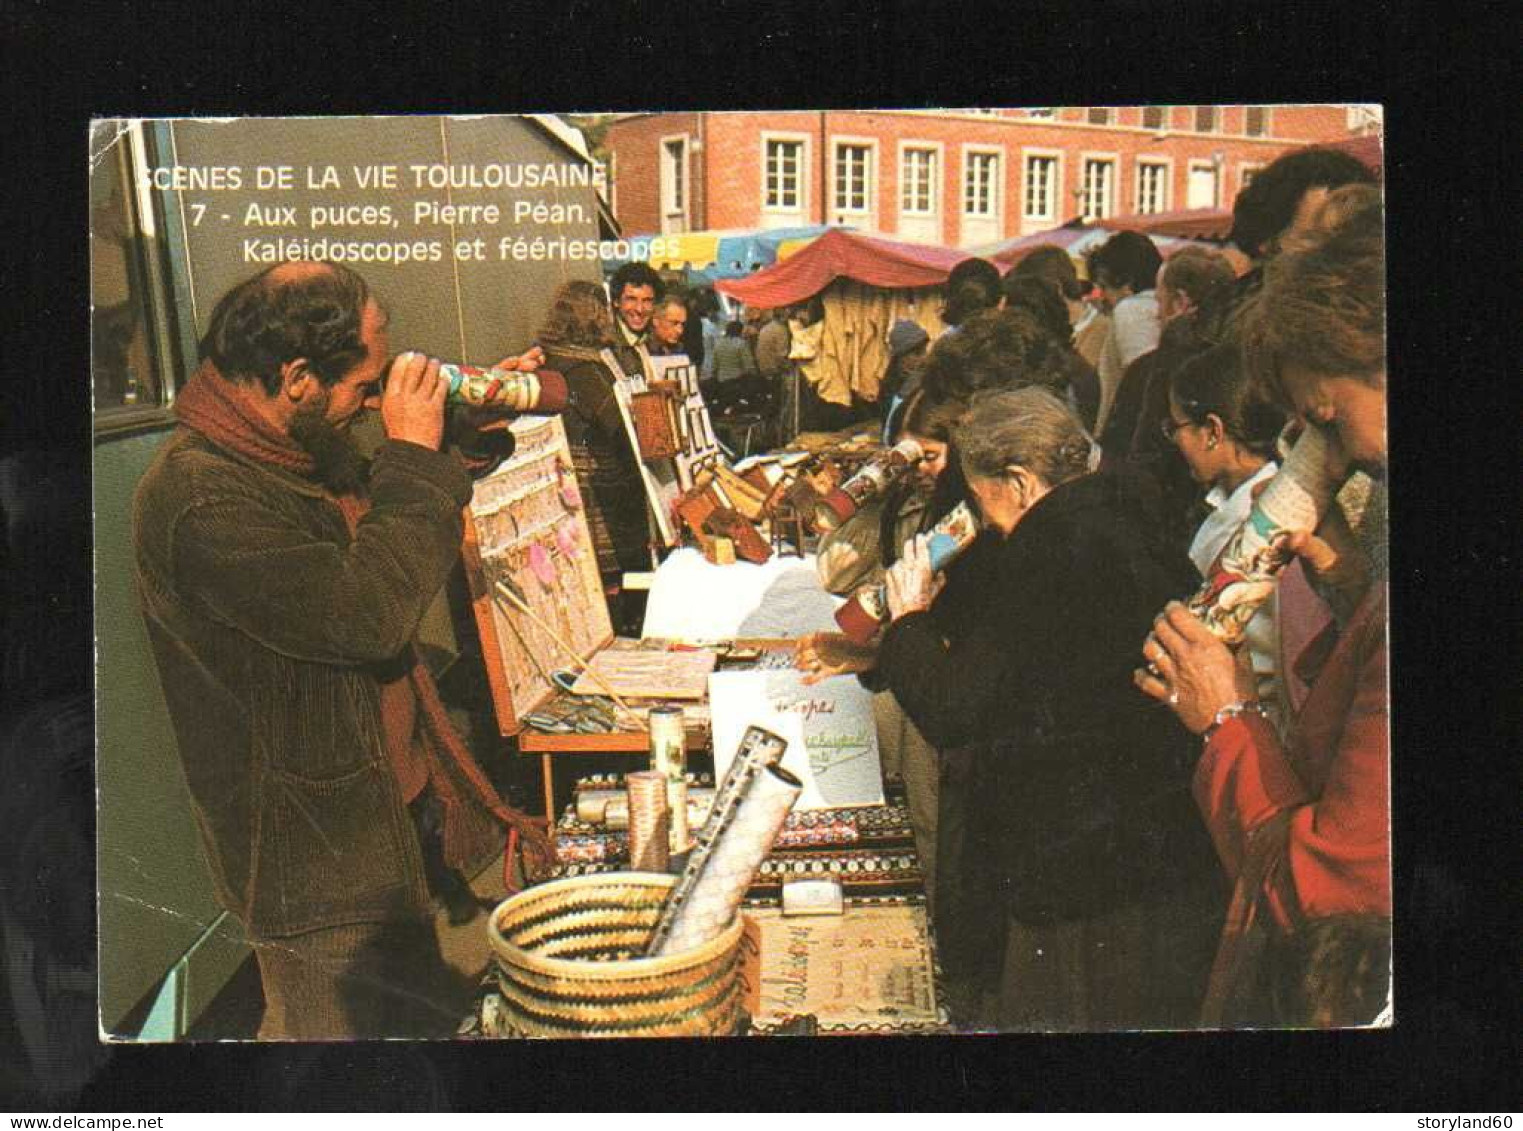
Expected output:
(564, 955)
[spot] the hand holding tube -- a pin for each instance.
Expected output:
(1191, 670)
(412, 406)
(912, 583)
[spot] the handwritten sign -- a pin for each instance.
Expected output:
(870, 970)
(832, 738)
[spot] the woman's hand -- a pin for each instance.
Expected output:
(912, 586)
(1197, 674)
(1333, 556)
(526, 362)
(825, 654)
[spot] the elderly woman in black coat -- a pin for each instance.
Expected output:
(1087, 870)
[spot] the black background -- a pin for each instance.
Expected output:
(1451, 113)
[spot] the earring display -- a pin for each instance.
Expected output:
(531, 535)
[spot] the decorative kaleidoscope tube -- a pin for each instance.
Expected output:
(759, 749)
(1246, 572)
(871, 480)
(861, 616)
(737, 857)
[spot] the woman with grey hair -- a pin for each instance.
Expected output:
(1085, 861)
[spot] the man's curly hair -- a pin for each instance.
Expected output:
(995, 349)
(280, 315)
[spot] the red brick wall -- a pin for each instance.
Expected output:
(635, 143)
(727, 174)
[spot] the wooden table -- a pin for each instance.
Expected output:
(547, 746)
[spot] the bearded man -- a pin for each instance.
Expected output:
(282, 579)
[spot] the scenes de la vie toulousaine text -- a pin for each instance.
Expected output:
(516, 199)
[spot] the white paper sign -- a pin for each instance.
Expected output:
(832, 738)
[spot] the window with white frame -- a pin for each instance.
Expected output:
(980, 184)
(1041, 195)
(1099, 115)
(1205, 119)
(674, 176)
(1042, 112)
(1154, 117)
(784, 173)
(917, 181)
(1099, 182)
(1256, 121)
(853, 177)
(1204, 187)
(1152, 186)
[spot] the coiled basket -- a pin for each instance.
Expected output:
(566, 960)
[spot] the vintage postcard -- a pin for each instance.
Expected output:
(436, 458)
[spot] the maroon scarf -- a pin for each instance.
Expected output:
(224, 413)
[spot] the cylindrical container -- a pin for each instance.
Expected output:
(871, 480)
(567, 955)
(1246, 572)
(668, 757)
(736, 857)
(861, 617)
(543, 392)
(649, 823)
(610, 809)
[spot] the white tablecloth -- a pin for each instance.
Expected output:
(693, 599)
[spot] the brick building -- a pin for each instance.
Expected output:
(951, 177)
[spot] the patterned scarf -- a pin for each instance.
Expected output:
(224, 413)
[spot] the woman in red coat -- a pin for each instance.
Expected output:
(1317, 335)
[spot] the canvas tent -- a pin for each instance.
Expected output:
(865, 285)
(1078, 239)
(725, 253)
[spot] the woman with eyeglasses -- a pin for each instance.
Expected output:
(1225, 430)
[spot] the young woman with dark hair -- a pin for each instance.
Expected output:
(855, 554)
(1225, 428)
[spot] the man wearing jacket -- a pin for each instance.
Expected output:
(282, 579)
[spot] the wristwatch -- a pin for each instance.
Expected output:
(1232, 711)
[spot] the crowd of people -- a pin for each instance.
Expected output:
(1124, 823)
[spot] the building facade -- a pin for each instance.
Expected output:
(953, 177)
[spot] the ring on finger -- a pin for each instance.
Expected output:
(1173, 698)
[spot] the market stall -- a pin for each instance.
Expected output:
(864, 284)
(1170, 231)
(703, 258)
(821, 921)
